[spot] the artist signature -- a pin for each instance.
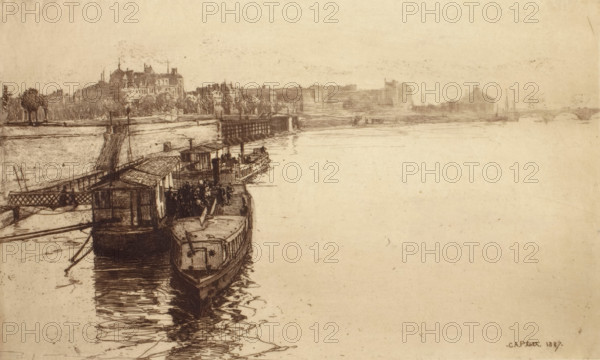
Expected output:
(536, 343)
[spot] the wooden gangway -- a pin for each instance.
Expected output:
(61, 193)
(76, 190)
(109, 155)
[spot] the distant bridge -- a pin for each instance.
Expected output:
(580, 113)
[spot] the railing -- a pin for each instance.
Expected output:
(51, 195)
(50, 199)
(245, 170)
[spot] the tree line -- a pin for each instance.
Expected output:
(57, 107)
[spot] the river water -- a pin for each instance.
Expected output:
(354, 260)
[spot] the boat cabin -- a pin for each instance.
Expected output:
(199, 157)
(136, 197)
(215, 147)
(208, 246)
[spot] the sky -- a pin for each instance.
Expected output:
(548, 48)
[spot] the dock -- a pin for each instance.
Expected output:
(76, 191)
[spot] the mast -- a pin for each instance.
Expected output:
(129, 153)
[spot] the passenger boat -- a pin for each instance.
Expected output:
(208, 251)
(198, 163)
(129, 209)
(253, 164)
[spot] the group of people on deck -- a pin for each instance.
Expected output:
(229, 161)
(191, 200)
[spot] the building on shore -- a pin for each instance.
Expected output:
(139, 84)
(330, 96)
(476, 102)
(128, 86)
(473, 102)
(395, 94)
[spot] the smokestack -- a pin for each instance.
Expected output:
(215, 168)
(191, 141)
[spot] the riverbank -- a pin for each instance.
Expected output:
(389, 116)
(157, 119)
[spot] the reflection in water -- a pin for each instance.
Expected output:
(152, 309)
(134, 294)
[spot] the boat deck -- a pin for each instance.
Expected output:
(235, 203)
(218, 228)
(227, 220)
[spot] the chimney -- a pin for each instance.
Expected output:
(191, 141)
(215, 168)
(174, 71)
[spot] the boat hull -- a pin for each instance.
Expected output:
(127, 244)
(253, 170)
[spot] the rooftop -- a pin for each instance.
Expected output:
(160, 166)
(146, 174)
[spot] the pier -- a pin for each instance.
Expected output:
(234, 132)
(49, 196)
(76, 191)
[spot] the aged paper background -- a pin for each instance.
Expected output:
(429, 232)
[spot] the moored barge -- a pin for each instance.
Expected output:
(129, 209)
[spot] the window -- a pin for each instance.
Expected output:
(102, 199)
(121, 199)
(145, 207)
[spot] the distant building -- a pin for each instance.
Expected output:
(475, 102)
(394, 94)
(330, 96)
(139, 84)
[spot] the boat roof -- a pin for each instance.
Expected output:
(198, 149)
(145, 174)
(214, 145)
(218, 228)
(117, 185)
(136, 177)
(160, 166)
